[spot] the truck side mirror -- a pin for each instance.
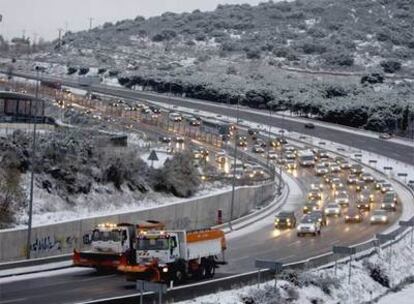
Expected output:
(87, 239)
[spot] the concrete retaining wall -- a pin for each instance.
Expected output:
(190, 214)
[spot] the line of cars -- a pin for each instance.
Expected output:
(341, 189)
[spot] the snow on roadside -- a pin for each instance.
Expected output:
(322, 286)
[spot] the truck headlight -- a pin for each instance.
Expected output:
(383, 206)
(384, 218)
(165, 269)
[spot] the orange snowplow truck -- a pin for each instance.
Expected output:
(109, 243)
(165, 256)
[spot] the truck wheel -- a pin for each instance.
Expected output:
(202, 270)
(210, 268)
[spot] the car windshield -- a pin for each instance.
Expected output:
(332, 206)
(380, 212)
(107, 235)
(155, 243)
(307, 220)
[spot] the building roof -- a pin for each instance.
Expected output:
(17, 96)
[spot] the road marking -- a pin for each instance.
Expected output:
(14, 300)
(294, 243)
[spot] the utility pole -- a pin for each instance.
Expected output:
(60, 37)
(34, 117)
(90, 23)
(233, 187)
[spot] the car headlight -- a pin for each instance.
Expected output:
(357, 217)
(305, 208)
(347, 217)
(326, 211)
(288, 220)
(372, 218)
(392, 205)
(383, 206)
(384, 218)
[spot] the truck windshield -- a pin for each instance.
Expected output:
(108, 235)
(153, 244)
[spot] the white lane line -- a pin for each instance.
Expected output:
(14, 300)
(294, 243)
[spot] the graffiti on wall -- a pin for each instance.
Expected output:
(48, 245)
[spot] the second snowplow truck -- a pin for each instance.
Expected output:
(109, 243)
(174, 255)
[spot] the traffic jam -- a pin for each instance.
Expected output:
(339, 190)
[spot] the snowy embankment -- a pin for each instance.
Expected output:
(370, 278)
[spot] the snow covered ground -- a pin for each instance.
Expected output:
(405, 296)
(370, 278)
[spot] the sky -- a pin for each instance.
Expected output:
(43, 18)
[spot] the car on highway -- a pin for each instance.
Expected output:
(379, 183)
(357, 169)
(329, 177)
(385, 136)
(197, 154)
(386, 187)
(310, 206)
(367, 178)
(391, 196)
(339, 190)
(253, 132)
(314, 195)
(194, 122)
(179, 139)
(273, 155)
(334, 167)
(274, 143)
(321, 154)
(175, 117)
(291, 164)
(360, 185)
(366, 194)
(317, 186)
(389, 206)
(308, 225)
(319, 215)
(352, 179)
(353, 216)
(291, 156)
(321, 170)
(342, 199)
(260, 142)
(221, 157)
(333, 209)
(289, 149)
(379, 217)
(281, 161)
(258, 171)
(285, 219)
(165, 139)
(363, 204)
(242, 141)
(282, 140)
(345, 165)
(336, 182)
(309, 125)
(258, 149)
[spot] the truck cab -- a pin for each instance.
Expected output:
(162, 246)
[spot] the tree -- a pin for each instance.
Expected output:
(391, 66)
(405, 118)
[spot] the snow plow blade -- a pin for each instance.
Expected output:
(100, 261)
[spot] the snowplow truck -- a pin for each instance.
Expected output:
(109, 243)
(165, 256)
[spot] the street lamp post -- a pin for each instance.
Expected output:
(233, 187)
(29, 228)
